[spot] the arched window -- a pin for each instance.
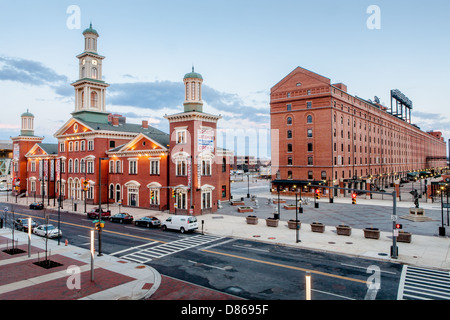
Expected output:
(118, 197)
(309, 119)
(94, 96)
(94, 73)
(289, 120)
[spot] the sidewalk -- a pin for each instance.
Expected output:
(119, 279)
(114, 279)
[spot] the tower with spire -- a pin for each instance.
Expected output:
(90, 89)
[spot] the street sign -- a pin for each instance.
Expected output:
(394, 217)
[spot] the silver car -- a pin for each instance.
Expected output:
(47, 230)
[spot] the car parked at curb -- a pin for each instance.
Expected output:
(36, 206)
(47, 230)
(181, 223)
(122, 218)
(148, 222)
(93, 214)
(22, 224)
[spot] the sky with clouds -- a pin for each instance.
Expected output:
(241, 48)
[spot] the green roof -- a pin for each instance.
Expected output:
(90, 30)
(193, 75)
(27, 114)
(155, 134)
(50, 148)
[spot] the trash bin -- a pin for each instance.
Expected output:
(75, 207)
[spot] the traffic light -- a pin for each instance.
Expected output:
(398, 226)
(354, 198)
(173, 193)
(152, 195)
(317, 194)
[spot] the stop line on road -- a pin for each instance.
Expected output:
(148, 251)
(418, 283)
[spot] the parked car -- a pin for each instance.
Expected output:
(47, 230)
(148, 222)
(122, 218)
(37, 206)
(22, 224)
(182, 223)
(93, 214)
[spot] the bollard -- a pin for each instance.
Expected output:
(66, 242)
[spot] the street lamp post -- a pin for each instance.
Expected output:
(100, 204)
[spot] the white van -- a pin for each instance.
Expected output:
(182, 223)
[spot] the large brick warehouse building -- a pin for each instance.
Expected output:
(321, 133)
(101, 158)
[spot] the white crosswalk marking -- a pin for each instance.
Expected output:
(143, 255)
(418, 283)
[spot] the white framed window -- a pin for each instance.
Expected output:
(82, 145)
(111, 166)
(154, 166)
(206, 199)
(70, 146)
(206, 167)
(133, 196)
(33, 166)
(132, 166)
(154, 196)
(90, 145)
(181, 167)
(77, 144)
(62, 147)
(82, 166)
(118, 166)
(75, 166)
(181, 199)
(181, 136)
(70, 165)
(90, 166)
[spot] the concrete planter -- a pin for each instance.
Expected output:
(404, 237)
(292, 224)
(371, 233)
(272, 222)
(317, 227)
(238, 203)
(245, 209)
(343, 230)
(289, 207)
(252, 220)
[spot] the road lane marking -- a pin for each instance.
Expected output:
(287, 266)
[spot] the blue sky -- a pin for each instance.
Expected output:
(242, 49)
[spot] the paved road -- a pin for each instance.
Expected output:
(235, 268)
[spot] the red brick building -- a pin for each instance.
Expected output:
(135, 164)
(321, 133)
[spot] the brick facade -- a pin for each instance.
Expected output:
(322, 133)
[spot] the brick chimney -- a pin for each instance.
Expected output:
(115, 121)
(145, 124)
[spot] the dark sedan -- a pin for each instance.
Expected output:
(22, 224)
(122, 218)
(148, 222)
(37, 206)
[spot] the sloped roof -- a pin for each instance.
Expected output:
(50, 148)
(155, 134)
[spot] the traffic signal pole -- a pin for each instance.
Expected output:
(394, 249)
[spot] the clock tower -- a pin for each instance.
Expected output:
(90, 89)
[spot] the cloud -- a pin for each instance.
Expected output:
(167, 95)
(29, 72)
